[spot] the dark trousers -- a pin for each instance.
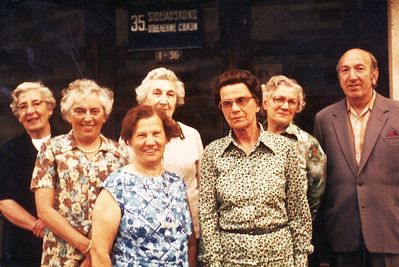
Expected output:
(363, 258)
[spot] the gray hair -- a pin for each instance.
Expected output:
(80, 89)
(27, 86)
(276, 81)
(160, 74)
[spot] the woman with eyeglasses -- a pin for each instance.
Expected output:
(283, 98)
(253, 209)
(162, 89)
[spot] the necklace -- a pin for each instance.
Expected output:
(87, 151)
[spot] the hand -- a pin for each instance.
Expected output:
(87, 261)
(38, 228)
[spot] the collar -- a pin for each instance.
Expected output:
(70, 144)
(368, 107)
(265, 138)
(292, 130)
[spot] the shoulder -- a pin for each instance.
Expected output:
(114, 179)
(16, 143)
(217, 146)
(59, 144)
(276, 142)
(175, 180)
(173, 176)
(189, 131)
(309, 145)
(384, 103)
(304, 136)
(331, 109)
(114, 147)
(60, 139)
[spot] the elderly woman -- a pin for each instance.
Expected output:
(142, 205)
(69, 171)
(163, 90)
(32, 104)
(253, 210)
(282, 99)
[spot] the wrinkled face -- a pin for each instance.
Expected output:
(162, 95)
(148, 141)
(239, 116)
(87, 118)
(281, 106)
(356, 76)
(33, 112)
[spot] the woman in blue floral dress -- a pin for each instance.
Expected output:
(142, 217)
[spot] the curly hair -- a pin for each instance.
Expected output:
(160, 74)
(81, 88)
(277, 80)
(27, 86)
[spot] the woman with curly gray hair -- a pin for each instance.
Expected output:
(283, 98)
(69, 172)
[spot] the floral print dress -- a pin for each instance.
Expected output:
(76, 181)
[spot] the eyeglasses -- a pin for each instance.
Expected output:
(279, 101)
(23, 107)
(240, 101)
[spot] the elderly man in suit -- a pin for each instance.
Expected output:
(360, 135)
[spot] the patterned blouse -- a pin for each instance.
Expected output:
(155, 224)
(262, 190)
(315, 164)
(76, 181)
(183, 157)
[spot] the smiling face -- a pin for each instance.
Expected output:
(162, 95)
(34, 113)
(87, 118)
(239, 117)
(356, 76)
(281, 108)
(148, 141)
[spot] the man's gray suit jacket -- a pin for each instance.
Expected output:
(361, 199)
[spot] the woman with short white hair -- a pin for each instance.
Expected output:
(69, 172)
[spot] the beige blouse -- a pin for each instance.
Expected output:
(261, 190)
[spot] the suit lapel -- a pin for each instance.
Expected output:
(342, 129)
(374, 127)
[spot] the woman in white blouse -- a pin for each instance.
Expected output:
(162, 89)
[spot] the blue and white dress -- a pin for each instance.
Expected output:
(155, 224)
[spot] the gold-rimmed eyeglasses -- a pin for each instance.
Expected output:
(240, 101)
(279, 101)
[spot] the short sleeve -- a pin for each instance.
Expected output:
(114, 185)
(45, 171)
